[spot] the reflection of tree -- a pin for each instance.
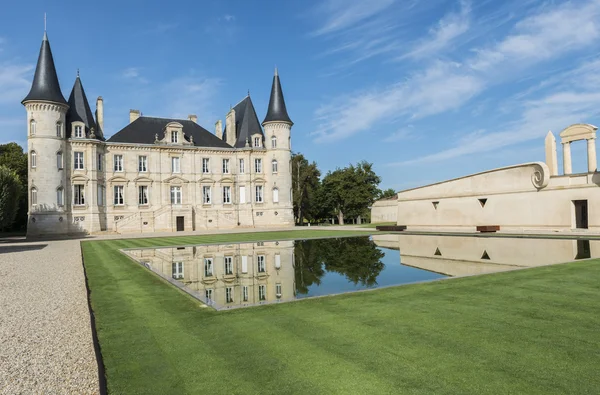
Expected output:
(357, 258)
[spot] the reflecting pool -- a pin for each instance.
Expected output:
(247, 274)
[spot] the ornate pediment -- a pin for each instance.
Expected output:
(118, 179)
(206, 180)
(226, 180)
(176, 180)
(143, 179)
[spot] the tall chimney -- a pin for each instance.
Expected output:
(100, 115)
(193, 118)
(230, 126)
(133, 115)
(219, 129)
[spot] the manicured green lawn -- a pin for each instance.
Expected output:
(376, 224)
(534, 331)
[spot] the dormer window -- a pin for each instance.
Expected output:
(78, 131)
(32, 127)
(59, 129)
(257, 142)
(174, 136)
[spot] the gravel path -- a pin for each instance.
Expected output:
(45, 335)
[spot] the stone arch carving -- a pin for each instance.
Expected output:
(576, 132)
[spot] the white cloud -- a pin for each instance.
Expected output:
(14, 81)
(133, 74)
(228, 18)
(543, 36)
(450, 27)
(440, 88)
(400, 134)
(342, 14)
(568, 102)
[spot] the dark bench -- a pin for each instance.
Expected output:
(391, 228)
(488, 228)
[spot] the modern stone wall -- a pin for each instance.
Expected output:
(384, 210)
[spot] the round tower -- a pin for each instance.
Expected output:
(46, 145)
(278, 126)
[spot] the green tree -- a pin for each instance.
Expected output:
(305, 183)
(10, 190)
(13, 157)
(350, 191)
(388, 193)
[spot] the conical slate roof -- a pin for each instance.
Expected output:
(246, 123)
(79, 110)
(277, 110)
(45, 81)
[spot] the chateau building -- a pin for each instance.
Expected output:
(155, 174)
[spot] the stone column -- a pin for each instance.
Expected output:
(567, 158)
(591, 148)
(551, 161)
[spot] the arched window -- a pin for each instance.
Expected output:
(60, 197)
(273, 142)
(59, 160)
(33, 196)
(275, 195)
(274, 166)
(78, 131)
(59, 129)
(33, 160)
(32, 127)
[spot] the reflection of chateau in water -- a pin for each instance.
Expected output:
(460, 256)
(226, 276)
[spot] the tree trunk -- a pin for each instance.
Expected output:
(341, 217)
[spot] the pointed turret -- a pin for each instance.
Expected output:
(45, 85)
(79, 109)
(277, 111)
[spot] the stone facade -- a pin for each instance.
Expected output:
(529, 196)
(81, 183)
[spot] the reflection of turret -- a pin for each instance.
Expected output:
(459, 256)
(229, 275)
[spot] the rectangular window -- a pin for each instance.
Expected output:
(143, 194)
(177, 270)
(225, 166)
(78, 131)
(59, 160)
(274, 166)
(278, 290)
(174, 136)
(209, 295)
(244, 264)
(78, 195)
(275, 195)
(175, 168)
(228, 265)
(100, 162)
(33, 159)
(242, 195)
(142, 164)
(262, 292)
(259, 194)
(242, 169)
(205, 165)
(257, 141)
(226, 195)
(206, 195)
(229, 295)
(119, 199)
(78, 162)
(175, 195)
(100, 192)
(118, 162)
(273, 142)
(58, 129)
(260, 261)
(258, 165)
(59, 197)
(208, 267)
(245, 293)
(277, 261)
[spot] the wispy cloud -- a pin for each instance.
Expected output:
(343, 14)
(441, 87)
(440, 36)
(14, 81)
(133, 74)
(227, 18)
(572, 99)
(406, 133)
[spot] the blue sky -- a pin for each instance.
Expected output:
(426, 90)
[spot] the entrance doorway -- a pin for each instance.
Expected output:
(180, 225)
(581, 214)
